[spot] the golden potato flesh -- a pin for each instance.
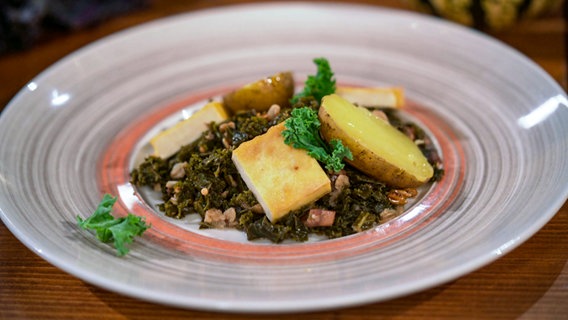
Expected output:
(379, 149)
(260, 95)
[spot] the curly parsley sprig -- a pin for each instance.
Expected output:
(302, 132)
(108, 228)
(319, 85)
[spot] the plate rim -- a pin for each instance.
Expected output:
(365, 298)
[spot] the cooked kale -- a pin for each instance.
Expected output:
(207, 179)
(290, 227)
(150, 172)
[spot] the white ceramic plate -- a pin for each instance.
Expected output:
(71, 134)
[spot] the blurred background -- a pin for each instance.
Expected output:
(36, 33)
(24, 23)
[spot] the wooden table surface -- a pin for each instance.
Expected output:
(529, 283)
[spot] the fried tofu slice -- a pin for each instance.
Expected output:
(282, 178)
(391, 97)
(169, 141)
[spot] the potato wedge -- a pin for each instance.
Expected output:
(260, 95)
(379, 149)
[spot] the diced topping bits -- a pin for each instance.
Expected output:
(320, 218)
(400, 196)
(410, 132)
(216, 218)
(273, 111)
(170, 185)
(204, 191)
(257, 208)
(226, 143)
(224, 126)
(340, 183)
(381, 115)
(209, 136)
(178, 170)
(230, 217)
(389, 214)
(232, 181)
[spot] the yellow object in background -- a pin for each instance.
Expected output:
(487, 14)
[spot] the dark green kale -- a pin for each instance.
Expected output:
(357, 207)
(290, 227)
(150, 172)
(309, 102)
(245, 200)
(248, 125)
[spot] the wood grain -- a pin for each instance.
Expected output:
(529, 283)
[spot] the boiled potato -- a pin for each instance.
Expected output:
(379, 149)
(260, 95)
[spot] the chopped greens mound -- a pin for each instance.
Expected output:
(201, 177)
(207, 165)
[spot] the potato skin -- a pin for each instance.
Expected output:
(260, 95)
(364, 159)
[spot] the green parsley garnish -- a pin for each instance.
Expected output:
(302, 132)
(108, 228)
(319, 85)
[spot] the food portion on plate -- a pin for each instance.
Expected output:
(329, 160)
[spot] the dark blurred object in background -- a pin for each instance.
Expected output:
(488, 14)
(22, 22)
